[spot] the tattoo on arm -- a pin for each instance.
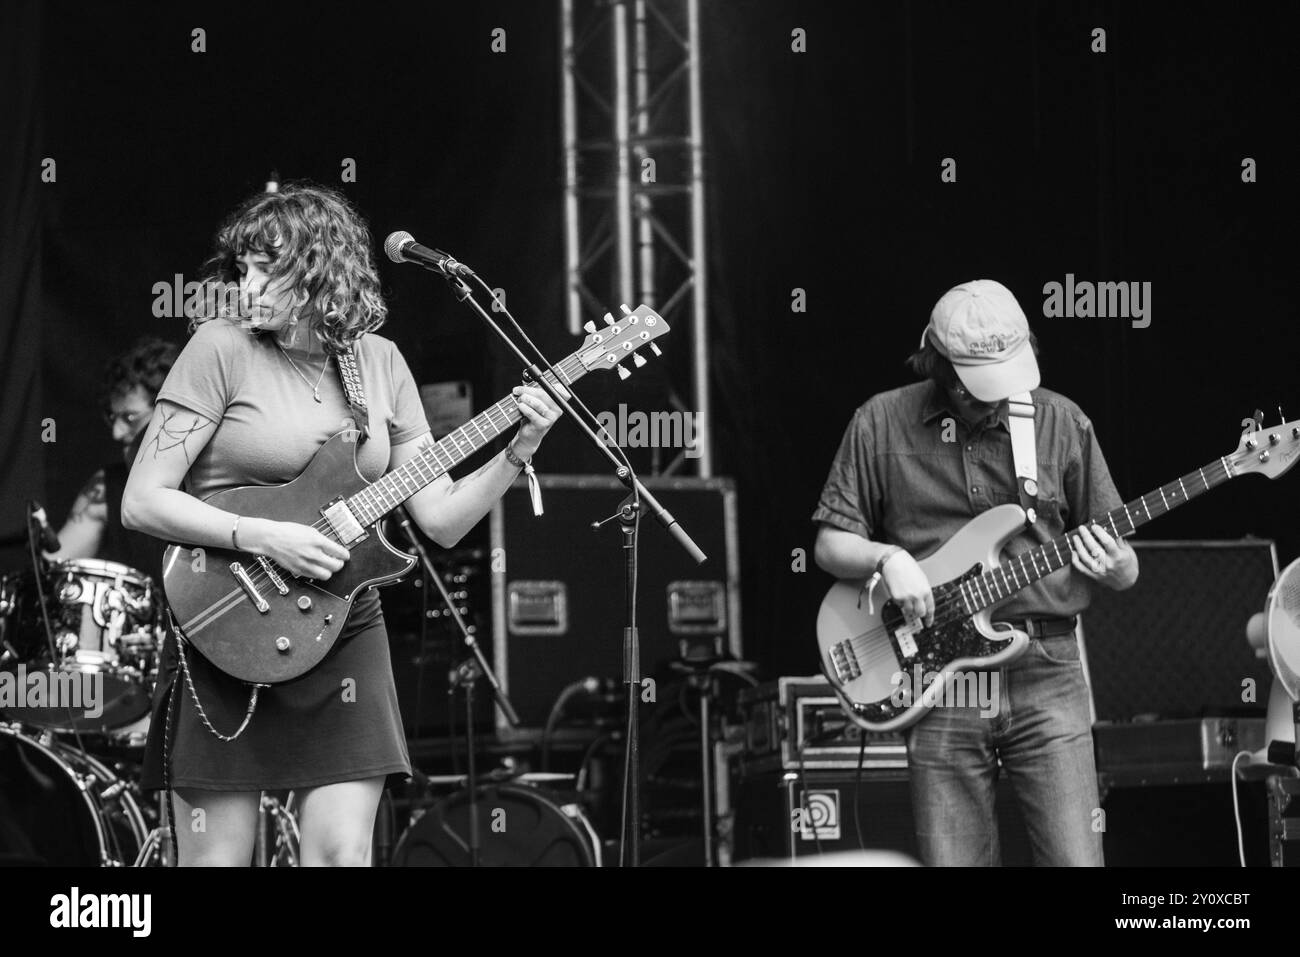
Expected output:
(173, 431)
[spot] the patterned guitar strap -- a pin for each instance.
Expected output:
(354, 391)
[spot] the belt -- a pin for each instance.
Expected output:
(1045, 627)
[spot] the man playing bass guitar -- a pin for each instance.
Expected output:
(915, 465)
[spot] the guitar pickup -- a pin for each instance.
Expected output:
(250, 589)
(344, 524)
(272, 574)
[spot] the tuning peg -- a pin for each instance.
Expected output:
(638, 359)
(609, 320)
(654, 347)
(590, 327)
(626, 310)
(622, 372)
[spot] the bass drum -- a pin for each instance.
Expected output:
(519, 826)
(62, 808)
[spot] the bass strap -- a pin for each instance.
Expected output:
(1024, 453)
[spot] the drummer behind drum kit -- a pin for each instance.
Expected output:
(60, 803)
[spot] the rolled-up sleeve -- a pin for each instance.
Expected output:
(850, 499)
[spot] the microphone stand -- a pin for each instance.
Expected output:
(640, 498)
(464, 676)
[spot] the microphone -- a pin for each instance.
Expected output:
(49, 538)
(401, 247)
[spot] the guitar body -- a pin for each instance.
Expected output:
(285, 634)
(863, 653)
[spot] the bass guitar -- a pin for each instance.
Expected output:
(873, 658)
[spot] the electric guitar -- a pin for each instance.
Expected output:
(258, 622)
(873, 658)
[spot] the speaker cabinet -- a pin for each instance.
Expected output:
(775, 817)
(1174, 645)
(557, 585)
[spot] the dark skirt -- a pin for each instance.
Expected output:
(338, 722)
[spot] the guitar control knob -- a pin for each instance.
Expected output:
(304, 602)
(282, 643)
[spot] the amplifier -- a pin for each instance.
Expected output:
(558, 604)
(1284, 821)
(785, 716)
(776, 816)
(1158, 751)
(1174, 645)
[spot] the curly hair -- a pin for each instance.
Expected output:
(145, 364)
(319, 245)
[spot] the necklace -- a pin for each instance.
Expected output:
(315, 389)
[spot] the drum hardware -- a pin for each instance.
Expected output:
(64, 807)
(280, 819)
(90, 619)
(464, 676)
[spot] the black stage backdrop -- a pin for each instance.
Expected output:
(824, 175)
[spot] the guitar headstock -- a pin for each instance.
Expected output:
(1270, 451)
(607, 348)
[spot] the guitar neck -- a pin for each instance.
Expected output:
(379, 498)
(1004, 580)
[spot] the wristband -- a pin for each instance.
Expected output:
(514, 459)
(880, 565)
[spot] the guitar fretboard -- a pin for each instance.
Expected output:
(379, 498)
(1009, 577)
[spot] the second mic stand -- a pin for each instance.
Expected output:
(465, 675)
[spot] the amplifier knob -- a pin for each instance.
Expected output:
(282, 643)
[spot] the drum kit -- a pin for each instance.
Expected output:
(69, 776)
(70, 791)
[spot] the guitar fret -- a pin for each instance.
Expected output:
(1204, 481)
(1162, 498)
(1058, 552)
(1143, 500)
(1184, 488)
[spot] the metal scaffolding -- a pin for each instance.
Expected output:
(634, 172)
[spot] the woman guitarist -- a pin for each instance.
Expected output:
(250, 400)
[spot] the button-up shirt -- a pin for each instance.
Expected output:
(910, 471)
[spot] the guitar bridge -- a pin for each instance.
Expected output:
(845, 662)
(250, 589)
(272, 574)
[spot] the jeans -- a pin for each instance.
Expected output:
(1042, 734)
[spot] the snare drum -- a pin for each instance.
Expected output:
(519, 826)
(106, 629)
(60, 807)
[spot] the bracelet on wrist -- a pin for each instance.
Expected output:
(890, 553)
(513, 458)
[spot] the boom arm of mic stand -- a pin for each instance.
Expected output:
(502, 700)
(624, 474)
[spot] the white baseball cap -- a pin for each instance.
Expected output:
(981, 329)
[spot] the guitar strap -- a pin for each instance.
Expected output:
(1024, 453)
(353, 389)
